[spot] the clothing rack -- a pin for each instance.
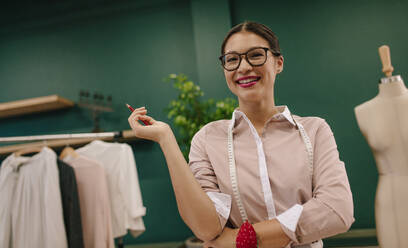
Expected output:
(61, 140)
(60, 136)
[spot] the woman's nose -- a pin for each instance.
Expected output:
(244, 66)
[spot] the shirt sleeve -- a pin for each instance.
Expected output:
(132, 195)
(330, 211)
(203, 171)
(289, 220)
(7, 182)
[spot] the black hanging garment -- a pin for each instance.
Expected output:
(70, 205)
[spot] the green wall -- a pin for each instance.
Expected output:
(125, 49)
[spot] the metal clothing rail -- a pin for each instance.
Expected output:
(62, 136)
(62, 140)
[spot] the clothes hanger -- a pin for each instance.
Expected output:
(68, 151)
(31, 149)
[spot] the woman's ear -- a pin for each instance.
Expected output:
(279, 64)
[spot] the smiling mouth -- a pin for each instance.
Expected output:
(247, 82)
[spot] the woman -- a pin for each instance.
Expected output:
(280, 172)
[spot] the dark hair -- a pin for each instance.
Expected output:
(256, 28)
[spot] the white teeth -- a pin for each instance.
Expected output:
(247, 81)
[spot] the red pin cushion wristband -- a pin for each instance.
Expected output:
(246, 237)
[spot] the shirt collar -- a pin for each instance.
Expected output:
(283, 114)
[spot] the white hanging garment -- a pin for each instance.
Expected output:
(127, 207)
(30, 207)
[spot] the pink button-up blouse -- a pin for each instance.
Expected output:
(324, 193)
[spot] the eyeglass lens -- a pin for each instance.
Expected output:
(254, 57)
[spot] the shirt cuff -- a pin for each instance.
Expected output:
(222, 204)
(289, 220)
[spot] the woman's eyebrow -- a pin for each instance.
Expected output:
(233, 51)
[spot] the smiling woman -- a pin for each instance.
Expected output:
(252, 79)
(265, 178)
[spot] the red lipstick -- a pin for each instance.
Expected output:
(247, 77)
(250, 81)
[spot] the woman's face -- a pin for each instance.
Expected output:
(261, 78)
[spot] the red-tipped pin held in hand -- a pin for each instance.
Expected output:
(132, 109)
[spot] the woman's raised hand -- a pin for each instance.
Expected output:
(156, 131)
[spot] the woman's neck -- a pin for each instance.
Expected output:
(392, 89)
(258, 113)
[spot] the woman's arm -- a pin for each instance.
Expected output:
(330, 211)
(269, 234)
(195, 207)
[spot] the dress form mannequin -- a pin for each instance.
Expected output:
(383, 121)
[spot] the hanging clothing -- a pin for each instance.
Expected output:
(126, 203)
(70, 205)
(309, 202)
(30, 207)
(94, 202)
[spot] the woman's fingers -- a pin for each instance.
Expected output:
(136, 113)
(140, 114)
(146, 118)
(150, 129)
(139, 111)
(140, 108)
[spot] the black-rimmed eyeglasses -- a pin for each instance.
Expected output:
(256, 56)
